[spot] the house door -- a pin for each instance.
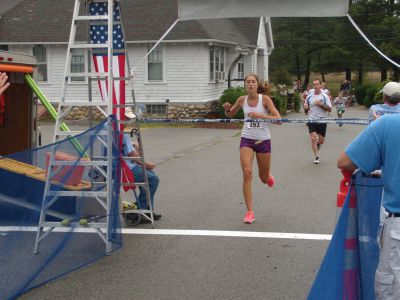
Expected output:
(16, 119)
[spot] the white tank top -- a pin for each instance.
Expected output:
(255, 130)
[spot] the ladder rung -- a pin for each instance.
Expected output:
(83, 103)
(123, 105)
(134, 184)
(88, 74)
(89, 46)
(128, 122)
(115, 51)
(74, 224)
(79, 163)
(98, 76)
(66, 133)
(91, 18)
(115, 78)
(140, 211)
(76, 193)
(131, 157)
(95, 103)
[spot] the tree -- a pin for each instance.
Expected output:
(323, 45)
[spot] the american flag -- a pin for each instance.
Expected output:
(99, 35)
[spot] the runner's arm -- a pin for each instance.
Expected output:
(325, 107)
(231, 110)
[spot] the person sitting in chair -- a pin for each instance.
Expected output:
(132, 150)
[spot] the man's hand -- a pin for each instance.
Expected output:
(150, 165)
(319, 103)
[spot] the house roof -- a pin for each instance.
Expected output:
(49, 21)
(6, 5)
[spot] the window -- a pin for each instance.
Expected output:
(78, 64)
(39, 51)
(4, 47)
(155, 64)
(217, 63)
(160, 109)
(222, 60)
(212, 64)
(240, 69)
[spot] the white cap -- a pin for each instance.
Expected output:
(129, 113)
(392, 89)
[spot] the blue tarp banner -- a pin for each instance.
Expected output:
(348, 269)
(74, 242)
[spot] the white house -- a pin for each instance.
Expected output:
(190, 66)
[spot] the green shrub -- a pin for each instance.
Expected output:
(378, 97)
(231, 95)
(370, 95)
(360, 92)
(280, 102)
(282, 76)
(297, 102)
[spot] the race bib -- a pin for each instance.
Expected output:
(253, 124)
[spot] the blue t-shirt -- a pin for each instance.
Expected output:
(127, 148)
(378, 147)
(383, 109)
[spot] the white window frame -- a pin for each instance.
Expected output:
(162, 47)
(240, 69)
(45, 63)
(162, 107)
(218, 61)
(85, 68)
(211, 61)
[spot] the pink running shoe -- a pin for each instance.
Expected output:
(271, 180)
(249, 217)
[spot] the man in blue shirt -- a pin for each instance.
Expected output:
(391, 102)
(377, 147)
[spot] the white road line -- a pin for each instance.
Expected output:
(223, 233)
(182, 232)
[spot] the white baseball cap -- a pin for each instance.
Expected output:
(392, 89)
(129, 113)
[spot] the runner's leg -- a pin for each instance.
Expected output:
(246, 162)
(264, 163)
(314, 142)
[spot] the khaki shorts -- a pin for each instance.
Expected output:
(387, 276)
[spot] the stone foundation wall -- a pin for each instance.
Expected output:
(174, 111)
(83, 113)
(187, 110)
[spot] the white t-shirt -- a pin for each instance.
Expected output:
(315, 111)
(255, 130)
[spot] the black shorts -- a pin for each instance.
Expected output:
(319, 128)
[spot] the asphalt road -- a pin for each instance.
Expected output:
(200, 189)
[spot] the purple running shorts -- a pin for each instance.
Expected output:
(258, 146)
